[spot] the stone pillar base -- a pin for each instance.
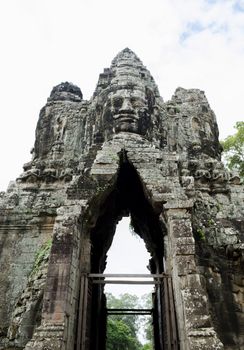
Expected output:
(204, 339)
(47, 337)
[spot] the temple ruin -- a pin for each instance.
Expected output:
(123, 152)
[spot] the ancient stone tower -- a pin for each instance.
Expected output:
(124, 152)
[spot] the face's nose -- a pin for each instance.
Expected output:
(126, 106)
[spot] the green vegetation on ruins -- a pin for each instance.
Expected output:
(41, 255)
(233, 149)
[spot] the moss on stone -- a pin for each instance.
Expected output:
(41, 255)
(201, 234)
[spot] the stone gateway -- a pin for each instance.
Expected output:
(124, 152)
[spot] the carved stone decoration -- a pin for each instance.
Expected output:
(123, 152)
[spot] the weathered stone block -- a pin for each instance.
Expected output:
(185, 249)
(185, 264)
(181, 228)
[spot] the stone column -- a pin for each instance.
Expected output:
(60, 299)
(193, 316)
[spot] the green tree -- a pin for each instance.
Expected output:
(147, 346)
(146, 322)
(233, 147)
(122, 330)
(125, 301)
(120, 336)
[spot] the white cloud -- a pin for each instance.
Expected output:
(45, 42)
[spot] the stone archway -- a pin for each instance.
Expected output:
(126, 198)
(83, 232)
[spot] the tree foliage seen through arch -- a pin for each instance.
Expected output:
(122, 330)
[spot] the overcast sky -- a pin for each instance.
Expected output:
(127, 255)
(188, 43)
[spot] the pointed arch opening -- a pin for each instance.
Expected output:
(126, 199)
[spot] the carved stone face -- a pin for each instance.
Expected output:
(128, 110)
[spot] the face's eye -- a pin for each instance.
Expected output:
(137, 102)
(117, 102)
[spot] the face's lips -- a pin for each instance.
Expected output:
(126, 117)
